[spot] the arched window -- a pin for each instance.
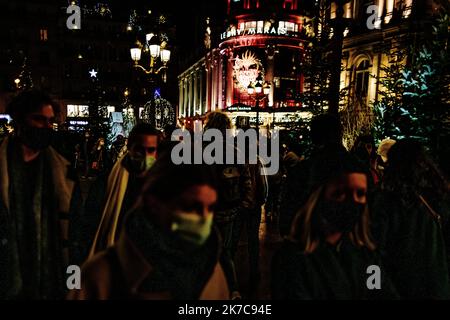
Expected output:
(362, 75)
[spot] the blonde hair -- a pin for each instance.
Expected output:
(305, 229)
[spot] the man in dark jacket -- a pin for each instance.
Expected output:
(110, 197)
(35, 191)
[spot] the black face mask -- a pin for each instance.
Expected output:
(340, 216)
(36, 138)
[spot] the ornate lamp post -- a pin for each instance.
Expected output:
(158, 57)
(260, 91)
(157, 51)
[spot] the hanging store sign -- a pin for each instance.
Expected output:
(242, 108)
(283, 28)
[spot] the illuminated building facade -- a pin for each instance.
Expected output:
(366, 50)
(267, 38)
(259, 39)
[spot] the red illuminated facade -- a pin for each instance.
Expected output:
(262, 38)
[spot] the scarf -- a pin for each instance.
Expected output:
(178, 267)
(115, 194)
(34, 256)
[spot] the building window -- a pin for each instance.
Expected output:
(74, 111)
(260, 26)
(110, 109)
(43, 34)
(250, 25)
(250, 4)
(362, 75)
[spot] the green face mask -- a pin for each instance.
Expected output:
(140, 165)
(149, 161)
(192, 228)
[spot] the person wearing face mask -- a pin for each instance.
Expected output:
(168, 247)
(329, 249)
(36, 188)
(119, 192)
(100, 159)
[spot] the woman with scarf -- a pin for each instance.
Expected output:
(167, 248)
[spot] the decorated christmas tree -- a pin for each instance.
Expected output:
(25, 80)
(415, 92)
(415, 99)
(98, 111)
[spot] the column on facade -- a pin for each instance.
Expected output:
(372, 94)
(213, 84)
(208, 87)
(270, 74)
(220, 61)
(195, 96)
(191, 95)
(180, 97)
(201, 89)
(347, 75)
(380, 5)
(229, 83)
(185, 108)
(389, 10)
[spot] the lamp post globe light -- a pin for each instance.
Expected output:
(260, 92)
(158, 56)
(157, 51)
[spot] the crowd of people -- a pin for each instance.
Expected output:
(150, 229)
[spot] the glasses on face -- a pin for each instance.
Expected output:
(42, 120)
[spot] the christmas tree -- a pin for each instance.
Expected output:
(414, 103)
(25, 81)
(98, 111)
(415, 93)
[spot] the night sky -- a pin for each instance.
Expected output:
(185, 14)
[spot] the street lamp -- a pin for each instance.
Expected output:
(157, 53)
(156, 49)
(261, 92)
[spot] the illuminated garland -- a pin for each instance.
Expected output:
(164, 112)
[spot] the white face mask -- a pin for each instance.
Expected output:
(192, 227)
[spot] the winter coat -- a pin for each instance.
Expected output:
(329, 273)
(53, 213)
(121, 271)
(412, 244)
